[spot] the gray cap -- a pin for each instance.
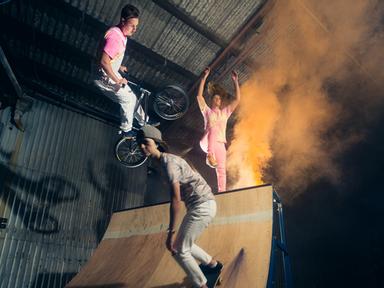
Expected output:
(152, 132)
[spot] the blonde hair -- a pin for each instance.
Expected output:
(216, 89)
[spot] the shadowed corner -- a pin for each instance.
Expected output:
(231, 272)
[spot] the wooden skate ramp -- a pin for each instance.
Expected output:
(133, 254)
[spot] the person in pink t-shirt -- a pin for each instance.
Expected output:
(110, 57)
(215, 124)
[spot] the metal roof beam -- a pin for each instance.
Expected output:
(184, 17)
(207, 33)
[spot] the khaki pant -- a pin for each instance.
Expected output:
(125, 98)
(193, 224)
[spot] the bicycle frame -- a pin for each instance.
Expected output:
(144, 95)
(127, 149)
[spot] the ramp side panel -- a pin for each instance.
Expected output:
(246, 257)
(122, 262)
(155, 219)
(133, 252)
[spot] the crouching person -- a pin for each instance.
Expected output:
(188, 186)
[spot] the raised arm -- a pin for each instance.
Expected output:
(200, 97)
(174, 211)
(235, 79)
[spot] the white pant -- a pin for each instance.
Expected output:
(194, 222)
(125, 98)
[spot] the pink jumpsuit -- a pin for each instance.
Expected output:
(214, 139)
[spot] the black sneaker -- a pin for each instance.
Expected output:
(206, 269)
(129, 134)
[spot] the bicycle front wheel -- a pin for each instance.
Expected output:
(171, 103)
(129, 153)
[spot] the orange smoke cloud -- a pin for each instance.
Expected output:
(250, 151)
(286, 113)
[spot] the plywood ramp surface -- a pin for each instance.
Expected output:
(133, 254)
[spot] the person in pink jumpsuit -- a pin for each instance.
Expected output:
(215, 124)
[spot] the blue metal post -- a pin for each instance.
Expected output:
(271, 274)
(283, 245)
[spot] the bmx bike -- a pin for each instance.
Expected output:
(170, 103)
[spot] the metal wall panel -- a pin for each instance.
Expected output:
(59, 182)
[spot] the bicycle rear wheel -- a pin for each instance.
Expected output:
(171, 103)
(129, 153)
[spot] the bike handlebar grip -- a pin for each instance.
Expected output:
(133, 83)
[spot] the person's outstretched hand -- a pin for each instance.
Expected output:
(122, 82)
(235, 76)
(206, 72)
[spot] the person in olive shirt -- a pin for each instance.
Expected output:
(188, 186)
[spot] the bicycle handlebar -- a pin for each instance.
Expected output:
(134, 84)
(137, 85)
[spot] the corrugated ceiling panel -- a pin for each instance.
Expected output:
(143, 69)
(158, 29)
(106, 11)
(153, 22)
(263, 51)
(182, 44)
(222, 17)
(227, 83)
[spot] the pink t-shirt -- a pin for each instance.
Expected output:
(115, 42)
(215, 125)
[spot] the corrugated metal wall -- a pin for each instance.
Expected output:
(59, 182)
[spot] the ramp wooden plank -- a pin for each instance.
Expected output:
(133, 254)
